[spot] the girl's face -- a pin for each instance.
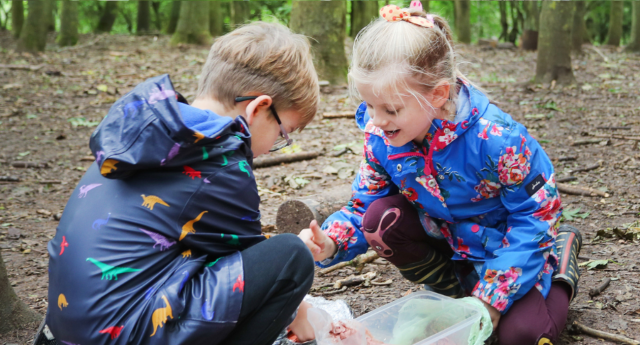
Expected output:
(402, 117)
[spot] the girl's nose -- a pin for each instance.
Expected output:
(379, 121)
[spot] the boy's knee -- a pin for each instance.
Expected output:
(301, 257)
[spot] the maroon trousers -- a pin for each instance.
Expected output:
(392, 225)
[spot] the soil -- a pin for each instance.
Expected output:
(49, 112)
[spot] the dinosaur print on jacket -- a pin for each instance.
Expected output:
(63, 244)
(238, 284)
(191, 172)
(188, 227)
(199, 136)
(100, 222)
(111, 272)
(86, 188)
(99, 156)
(205, 154)
(114, 331)
(160, 95)
(243, 167)
(62, 301)
(186, 253)
(132, 108)
(152, 200)
(162, 241)
(175, 149)
(108, 166)
(161, 315)
(234, 241)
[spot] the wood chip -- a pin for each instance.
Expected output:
(339, 115)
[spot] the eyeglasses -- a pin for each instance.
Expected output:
(284, 140)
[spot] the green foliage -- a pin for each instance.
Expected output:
(570, 214)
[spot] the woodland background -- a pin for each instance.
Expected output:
(568, 70)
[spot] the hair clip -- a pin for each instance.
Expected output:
(416, 5)
(393, 13)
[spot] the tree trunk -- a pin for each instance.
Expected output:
(109, 14)
(503, 20)
(68, 24)
(615, 23)
(157, 18)
(216, 20)
(33, 37)
(425, 6)
(516, 21)
(463, 20)
(14, 313)
(326, 27)
(144, 16)
(531, 24)
(578, 32)
(193, 24)
(17, 17)
(173, 17)
(362, 13)
(554, 45)
(634, 45)
(50, 17)
(240, 12)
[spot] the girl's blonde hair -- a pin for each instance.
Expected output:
(388, 55)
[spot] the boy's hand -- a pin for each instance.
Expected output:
(301, 326)
(494, 313)
(320, 245)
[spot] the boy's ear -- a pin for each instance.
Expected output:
(257, 106)
(440, 94)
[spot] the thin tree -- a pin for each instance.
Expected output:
(157, 15)
(144, 17)
(554, 44)
(17, 17)
(504, 23)
(615, 23)
(362, 12)
(216, 19)
(634, 45)
(68, 24)
(108, 17)
(240, 12)
(325, 23)
(579, 29)
(14, 313)
(173, 16)
(50, 17)
(531, 25)
(193, 24)
(33, 36)
(516, 21)
(463, 20)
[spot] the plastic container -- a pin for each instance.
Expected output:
(382, 321)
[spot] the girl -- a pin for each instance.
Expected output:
(451, 189)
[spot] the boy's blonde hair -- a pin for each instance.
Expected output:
(266, 58)
(388, 55)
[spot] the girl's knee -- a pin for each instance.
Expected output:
(519, 331)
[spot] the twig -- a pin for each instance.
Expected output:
(344, 288)
(585, 142)
(24, 67)
(588, 168)
(359, 260)
(567, 158)
(20, 164)
(81, 45)
(604, 335)
(386, 282)
(50, 182)
(287, 158)
(88, 159)
(339, 115)
(614, 128)
(566, 179)
(575, 190)
(613, 136)
(593, 292)
(354, 280)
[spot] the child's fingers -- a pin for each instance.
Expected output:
(306, 236)
(317, 233)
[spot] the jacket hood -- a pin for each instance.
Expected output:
(145, 130)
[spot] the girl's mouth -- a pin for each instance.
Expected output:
(391, 134)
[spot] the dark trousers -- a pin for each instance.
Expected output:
(392, 228)
(278, 273)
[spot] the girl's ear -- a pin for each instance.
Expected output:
(256, 107)
(440, 94)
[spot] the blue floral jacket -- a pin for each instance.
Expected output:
(482, 174)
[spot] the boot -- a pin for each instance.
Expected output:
(568, 245)
(44, 336)
(436, 273)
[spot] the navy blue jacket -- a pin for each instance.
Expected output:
(148, 248)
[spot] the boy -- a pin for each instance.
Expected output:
(161, 242)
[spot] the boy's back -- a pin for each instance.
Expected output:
(160, 203)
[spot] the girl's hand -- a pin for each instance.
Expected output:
(301, 326)
(320, 245)
(494, 313)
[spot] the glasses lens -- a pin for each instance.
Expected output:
(279, 144)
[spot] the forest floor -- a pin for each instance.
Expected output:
(48, 113)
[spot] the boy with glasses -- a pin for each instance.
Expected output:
(161, 241)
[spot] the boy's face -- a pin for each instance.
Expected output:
(264, 128)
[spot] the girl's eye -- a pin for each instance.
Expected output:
(391, 112)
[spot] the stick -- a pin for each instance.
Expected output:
(288, 158)
(567, 158)
(586, 142)
(588, 168)
(344, 288)
(23, 67)
(339, 115)
(615, 136)
(20, 164)
(386, 282)
(88, 159)
(604, 335)
(50, 182)
(575, 190)
(566, 179)
(354, 280)
(9, 178)
(614, 128)
(593, 292)
(358, 261)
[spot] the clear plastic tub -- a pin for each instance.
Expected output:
(444, 331)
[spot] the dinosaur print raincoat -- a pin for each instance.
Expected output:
(479, 181)
(147, 250)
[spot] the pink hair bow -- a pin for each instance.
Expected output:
(393, 13)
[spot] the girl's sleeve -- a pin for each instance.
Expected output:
(345, 226)
(530, 195)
